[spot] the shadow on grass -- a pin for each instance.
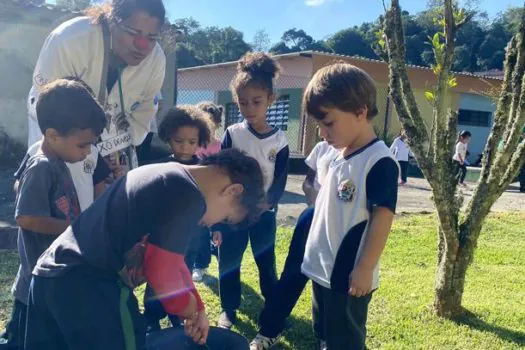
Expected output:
(472, 320)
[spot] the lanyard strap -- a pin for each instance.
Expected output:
(121, 95)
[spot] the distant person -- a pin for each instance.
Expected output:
(203, 258)
(460, 156)
(215, 112)
(401, 151)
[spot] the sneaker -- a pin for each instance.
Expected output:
(260, 342)
(227, 319)
(198, 275)
(323, 345)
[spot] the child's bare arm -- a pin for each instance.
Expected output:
(42, 224)
(377, 235)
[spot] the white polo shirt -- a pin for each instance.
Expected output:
(351, 188)
(319, 159)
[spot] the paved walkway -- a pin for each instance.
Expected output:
(413, 198)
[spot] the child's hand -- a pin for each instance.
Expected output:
(360, 281)
(197, 327)
(217, 238)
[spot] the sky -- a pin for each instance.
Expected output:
(319, 18)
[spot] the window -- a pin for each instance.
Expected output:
(277, 114)
(474, 118)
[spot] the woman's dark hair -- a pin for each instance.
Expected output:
(245, 170)
(186, 115)
(215, 111)
(255, 69)
(119, 10)
(342, 86)
(68, 106)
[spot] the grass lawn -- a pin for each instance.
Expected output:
(400, 314)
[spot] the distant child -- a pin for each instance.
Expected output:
(354, 209)
(460, 156)
(215, 113)
(184, 129)
(81, 295)
(253, 91)
(292, 282)
(401, 151)
(71, 121)
(203, 259)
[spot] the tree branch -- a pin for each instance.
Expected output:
(401, 91)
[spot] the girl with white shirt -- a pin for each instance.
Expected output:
(460, 156)
(402, 152)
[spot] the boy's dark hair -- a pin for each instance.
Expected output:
(120, 10)
(245, 170)
(255, 69)
(215, 111)
(186, 115)
(67, 106)
(342, 86)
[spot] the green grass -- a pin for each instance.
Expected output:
(400, 314)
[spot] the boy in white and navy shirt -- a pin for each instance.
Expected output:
(354, 209)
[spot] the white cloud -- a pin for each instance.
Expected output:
(313, 3)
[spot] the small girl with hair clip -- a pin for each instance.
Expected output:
(215, 112)
(253, 91)
(203, 258)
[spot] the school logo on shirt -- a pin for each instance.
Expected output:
(40, 80)
(89, 166)
(346, 190)
(272, 156)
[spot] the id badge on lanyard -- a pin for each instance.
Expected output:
(117, 140)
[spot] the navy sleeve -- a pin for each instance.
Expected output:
(226, 140)
(276, 189)
(381, 184)
(102, 171)
(33, 195)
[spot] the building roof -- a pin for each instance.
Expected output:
(334, 55)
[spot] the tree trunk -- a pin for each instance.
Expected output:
(450, 283)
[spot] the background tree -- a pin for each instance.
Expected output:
(261, 41)
(198, 46)
(433, 147)
(296, 40)
(73, 5)
(351, 42)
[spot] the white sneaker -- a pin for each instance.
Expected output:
(198, 275)
(260, 342)
(323, 345)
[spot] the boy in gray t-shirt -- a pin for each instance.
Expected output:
(71, 120)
